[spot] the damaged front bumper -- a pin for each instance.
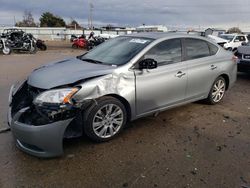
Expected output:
(36, 134)
(40, 141)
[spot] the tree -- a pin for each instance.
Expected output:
(28, 20)
(47, 19)
(234, 30)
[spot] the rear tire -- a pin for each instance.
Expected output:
(105, 119)
(43, 47)
(217, 91)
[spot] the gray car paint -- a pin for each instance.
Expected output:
(39, 136)
(145, 91)
(244, 49)
(138, 87)
(66, 72)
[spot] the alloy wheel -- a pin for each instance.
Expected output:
(218, 90)
(108, 120)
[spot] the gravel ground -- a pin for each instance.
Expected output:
(195, 145)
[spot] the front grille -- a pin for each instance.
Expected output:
(246, 57)
(33, 91)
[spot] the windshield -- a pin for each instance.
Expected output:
(227, 37)
(117, 51)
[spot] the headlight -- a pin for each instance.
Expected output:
(56, 96)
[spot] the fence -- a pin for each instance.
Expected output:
(62, 33)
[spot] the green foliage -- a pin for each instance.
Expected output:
(47, 19)
(234, 30)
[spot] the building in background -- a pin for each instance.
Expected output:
(152, 28)
(214, 31)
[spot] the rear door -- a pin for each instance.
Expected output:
(202, 67)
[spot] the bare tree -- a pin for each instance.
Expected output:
(234, 30)
(28, 20)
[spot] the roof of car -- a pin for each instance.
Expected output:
(232, 34)
(158, 35)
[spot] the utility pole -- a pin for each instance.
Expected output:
(91, 7)
(14, 21)
(88, 15)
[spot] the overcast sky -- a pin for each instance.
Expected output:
(135, 12)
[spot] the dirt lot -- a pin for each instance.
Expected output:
(196, 145)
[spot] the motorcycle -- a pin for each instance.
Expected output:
(40, 44)
(72, 38)
(95, 42)
(3, 48)
(89, 43)
(19, 41)
(80, 42)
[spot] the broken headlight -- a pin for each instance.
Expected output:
(56, 96)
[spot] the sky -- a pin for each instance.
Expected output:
(175, 13)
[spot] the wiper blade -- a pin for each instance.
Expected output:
(92, 61)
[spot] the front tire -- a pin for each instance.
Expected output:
(217, 91)
(33, 49)
(105, 119)
(234, 50)
(6, 51)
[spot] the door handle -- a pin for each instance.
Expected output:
(180, 74)
(213, 67)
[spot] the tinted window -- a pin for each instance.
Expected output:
(213, 49)
(196, 49)
(240, 38)
(166, 52)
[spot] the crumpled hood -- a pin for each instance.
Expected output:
(66, 72)
(244, 49)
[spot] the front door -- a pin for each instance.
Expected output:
(164, 85)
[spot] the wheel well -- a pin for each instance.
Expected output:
(226, 77)
(234, 49)
(125, 103)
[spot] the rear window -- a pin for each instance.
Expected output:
(213, 49)
(196, 48)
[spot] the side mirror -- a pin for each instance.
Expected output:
(236, 40)
(148, 64)
(243, 43)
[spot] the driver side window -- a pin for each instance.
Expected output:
(166, 52)
(240, 38)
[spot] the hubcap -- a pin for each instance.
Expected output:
(218, 90)
(108, 121)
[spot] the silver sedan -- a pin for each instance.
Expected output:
(121, 80)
